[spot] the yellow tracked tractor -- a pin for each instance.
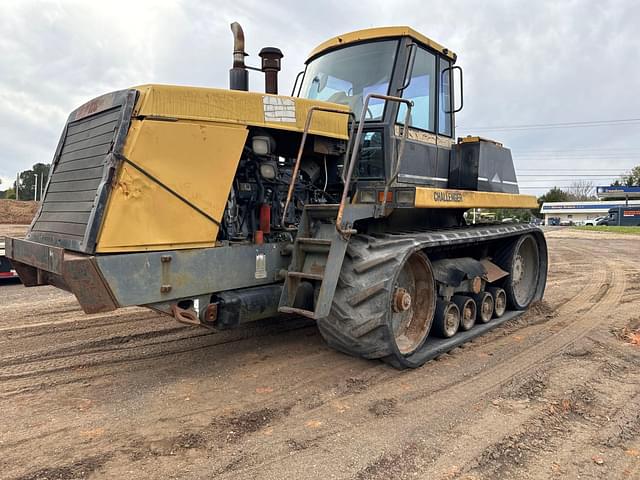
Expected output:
(343, 203)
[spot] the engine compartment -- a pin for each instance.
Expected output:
(255, 207)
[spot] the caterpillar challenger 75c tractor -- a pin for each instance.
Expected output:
(344, 203)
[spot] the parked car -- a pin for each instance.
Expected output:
(594, 221)
(6, 269)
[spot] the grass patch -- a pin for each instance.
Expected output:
(612, 229)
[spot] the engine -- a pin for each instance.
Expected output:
(255, 207)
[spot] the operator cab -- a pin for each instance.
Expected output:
(398, 62)
(395, 61)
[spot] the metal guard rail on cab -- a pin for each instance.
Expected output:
(356, 150)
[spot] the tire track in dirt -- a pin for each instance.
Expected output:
(450, 399)
(76, 323)
(385, 377)
(16, 371)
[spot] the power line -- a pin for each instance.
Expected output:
(542, 187)
(566, 175)
(568, 170)
(578, 149)
(537, 126)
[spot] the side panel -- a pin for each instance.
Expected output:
(242, 108)
(172, 187)
(482, 165)
(449, 198)
(153, 277)
(424, 164)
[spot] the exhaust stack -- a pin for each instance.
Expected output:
(238, 75)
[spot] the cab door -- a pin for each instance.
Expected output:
(426, 155)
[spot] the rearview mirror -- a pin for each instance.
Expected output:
(449, 71)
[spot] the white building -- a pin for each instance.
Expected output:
(579, 212)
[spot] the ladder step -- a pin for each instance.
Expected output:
(314, 241)
(322, 206)
(305, 275)
(297, 311)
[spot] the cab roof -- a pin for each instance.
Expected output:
(379, 33)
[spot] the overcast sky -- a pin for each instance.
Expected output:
(525, 63)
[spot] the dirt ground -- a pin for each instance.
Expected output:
(17, 212)
(130, 394)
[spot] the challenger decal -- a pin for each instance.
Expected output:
(446, 196)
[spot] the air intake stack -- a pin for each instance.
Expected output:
(271, 57)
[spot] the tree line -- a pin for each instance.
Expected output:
(27, 188)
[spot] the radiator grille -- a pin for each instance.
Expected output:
(73, 197)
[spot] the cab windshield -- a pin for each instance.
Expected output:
(348, 75)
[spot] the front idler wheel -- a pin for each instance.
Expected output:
(521, 259)
(447, 319)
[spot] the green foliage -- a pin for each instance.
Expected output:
(630, 180)
(517, 214)
(28, 181)
(555, 195)
(612, 229)
(9, 194)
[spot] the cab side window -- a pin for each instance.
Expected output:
(444, 99)
(422, 91)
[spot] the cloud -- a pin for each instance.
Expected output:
(524, 62)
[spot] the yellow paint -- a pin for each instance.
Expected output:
(197, 161)
(236, 107)
(476, 139)
(378, 34)
(449, 198)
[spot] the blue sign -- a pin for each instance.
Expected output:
(589, 206)
(617, 190)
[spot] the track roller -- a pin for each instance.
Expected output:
(484, 302)
(499, 301)
(447, 320)
(467, 308)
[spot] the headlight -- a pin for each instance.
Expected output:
(268, 170)
(262, 145)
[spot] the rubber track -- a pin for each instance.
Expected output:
(357, 324)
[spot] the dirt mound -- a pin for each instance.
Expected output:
(17, 212)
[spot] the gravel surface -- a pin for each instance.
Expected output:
(131, 394)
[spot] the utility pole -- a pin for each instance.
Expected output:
(18, 186)
(35, 188)
(41, 185)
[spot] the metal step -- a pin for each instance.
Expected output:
(313, 245)
(314, 241)
(297, 311)
(306, 276)
(327, 248)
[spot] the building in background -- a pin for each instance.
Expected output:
(581, 213)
